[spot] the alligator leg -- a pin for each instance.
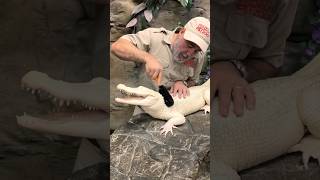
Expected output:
(206, 96)
(310, 147)
(309, 110)
(172, 123)
(224, 172)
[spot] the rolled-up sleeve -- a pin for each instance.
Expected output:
(141, 39)
(278, 32)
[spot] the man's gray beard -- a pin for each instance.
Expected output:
(175, 55)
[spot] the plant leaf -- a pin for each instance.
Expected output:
(138, 9)
(184, 3)
(132, 22)
(148, 15)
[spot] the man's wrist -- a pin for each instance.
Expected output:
(240, 67)
(144, 57)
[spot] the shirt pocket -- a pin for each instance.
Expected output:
(247, 29)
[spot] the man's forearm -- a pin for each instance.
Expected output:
(125, 50)
(258, 69)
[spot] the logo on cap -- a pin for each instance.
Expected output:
(203, 29)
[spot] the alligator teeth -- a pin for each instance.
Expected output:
(68, 103)
(32, 91)
(27, 88)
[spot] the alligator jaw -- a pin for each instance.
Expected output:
(84, 124)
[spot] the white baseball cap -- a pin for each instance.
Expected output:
(198, 31)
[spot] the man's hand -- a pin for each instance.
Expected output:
(230, 86)
(180, 88)
(153, 67)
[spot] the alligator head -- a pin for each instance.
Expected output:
(88, 117)
(140, 96)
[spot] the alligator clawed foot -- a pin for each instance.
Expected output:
(206, 109)
(167, 128)
(310, 147)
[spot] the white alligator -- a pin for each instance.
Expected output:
(152, 103)
(90, 98)
(284, 107)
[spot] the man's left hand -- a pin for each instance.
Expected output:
(179, 88)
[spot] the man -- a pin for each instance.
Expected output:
(176, 57)
(250, 37)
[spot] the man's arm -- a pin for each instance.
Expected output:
(125, 50)
(261, 63)
(257, 69)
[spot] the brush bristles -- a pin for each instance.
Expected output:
(168, 100)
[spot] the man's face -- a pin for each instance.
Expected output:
(183, 50)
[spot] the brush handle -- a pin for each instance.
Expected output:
(157, 80)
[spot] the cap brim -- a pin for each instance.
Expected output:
(190, 36)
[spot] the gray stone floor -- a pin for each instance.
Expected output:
(139, 151)
(287, 167)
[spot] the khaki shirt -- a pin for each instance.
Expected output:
(242, 33)
(156, 41)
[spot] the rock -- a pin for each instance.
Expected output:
(173, 12)
(139, 151)
(120, 113)
(120, 13)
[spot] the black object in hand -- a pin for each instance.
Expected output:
(168, 100)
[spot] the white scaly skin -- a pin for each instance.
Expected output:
(81, 124)
(284, 107)
(92, 95)
(152, 103)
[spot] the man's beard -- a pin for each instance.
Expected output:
(178, 56)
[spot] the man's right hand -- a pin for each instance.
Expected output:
(231, 87)
(153, 67)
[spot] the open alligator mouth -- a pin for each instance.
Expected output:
(71, 116)
(130, 95)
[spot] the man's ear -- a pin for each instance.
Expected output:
(182, 30)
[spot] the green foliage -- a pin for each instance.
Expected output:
(143, 13)
(186, 3)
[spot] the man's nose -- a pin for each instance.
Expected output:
(192, 51)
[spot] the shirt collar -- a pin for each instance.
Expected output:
(168, 36)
